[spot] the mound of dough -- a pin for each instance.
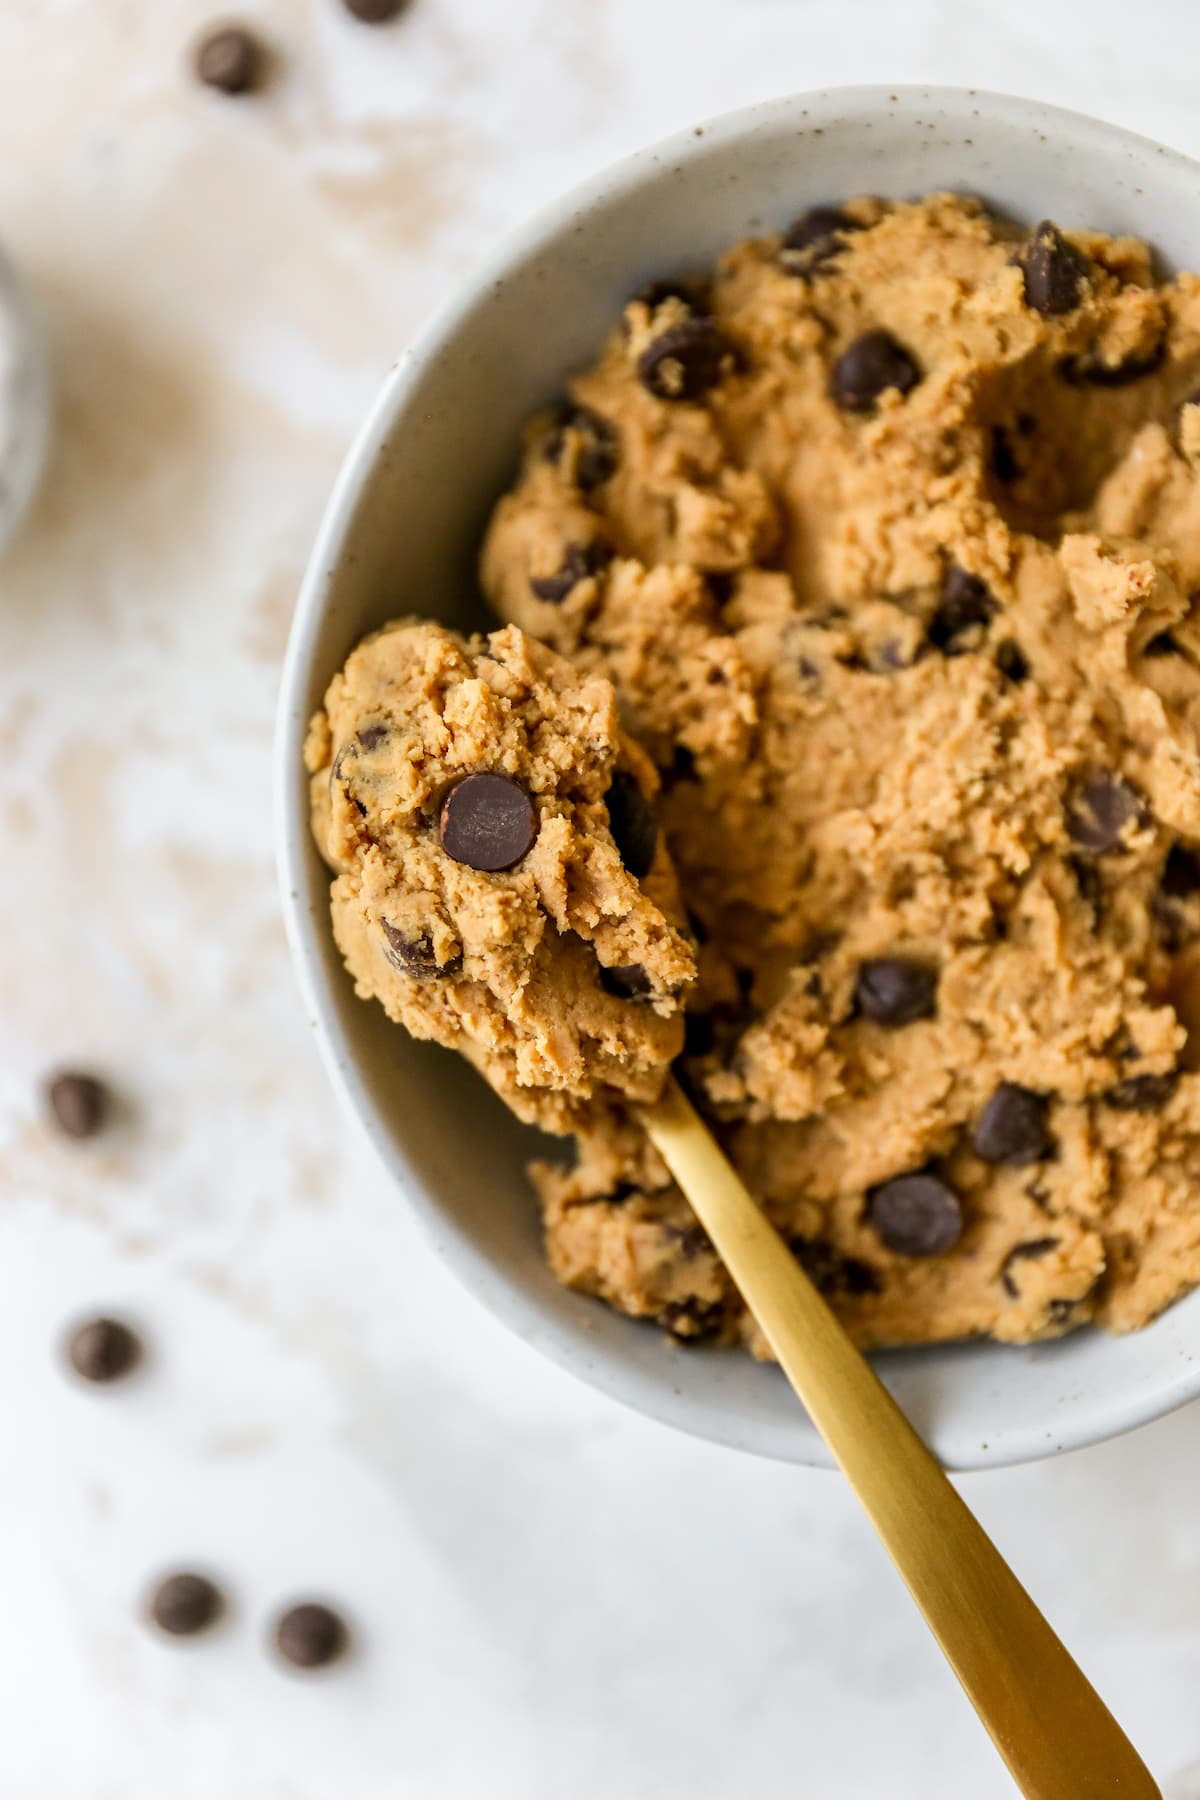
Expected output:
(887, 534)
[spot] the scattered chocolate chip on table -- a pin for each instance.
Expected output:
(80, 1104)
(103, 1350)
(184, 1604)
(232, 60)
(311, 1636)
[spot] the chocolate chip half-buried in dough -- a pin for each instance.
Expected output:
(1102, 810)
(963, 613)
(579, 561)
(916, 1215)
(79, 1104)
(1027, 1252)
(1012, 1127)
(817, 226)
(626, 981)
(895, 990)
(1053, 270)
(632, 823)
(686, 360)
(232, 60)
(1012, 661)
(597, 454)
(310, 1636)
(181, 1605)
(692, 290)
(414, 954)
(871, 365)
(488, 822)
(1141, 1093)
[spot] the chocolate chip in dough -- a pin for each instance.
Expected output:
(691, 1321)
(488, 822)
(579, 561)
(184, 1604)
(103, 1350)
(597, 455)
(815, 238)
(1090, 370)
(895, 990)
(871, 365)
(1012, 1127)
(375, 12)
(1054, 271)
(371, 736)
(916, 1215)
(310, 1636)
(1028, 1252)
(691, 290)
(626, 981)
(686, 360)
(1101, 810)
(79, 1103)
(414, 954)
(837, 1276)
(1012, 661)
(632, 823)
(1142, 1093)
(232, 60)
(963, 613)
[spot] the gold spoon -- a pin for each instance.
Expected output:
(1049, 1724)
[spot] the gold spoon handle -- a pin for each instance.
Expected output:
(1051, 1727)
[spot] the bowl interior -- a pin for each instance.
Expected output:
(402, 535)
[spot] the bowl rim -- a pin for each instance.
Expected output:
(503, 1298)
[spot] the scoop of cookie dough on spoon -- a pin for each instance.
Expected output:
(501, 886)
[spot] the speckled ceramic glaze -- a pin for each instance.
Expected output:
(401, 535)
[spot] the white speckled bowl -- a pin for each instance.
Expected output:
(401, 534)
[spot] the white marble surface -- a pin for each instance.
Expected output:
(552, 1596)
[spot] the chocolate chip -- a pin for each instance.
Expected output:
(232, 60)
(690, 1321)
(1060, 1312)
(916, 1215)
(1028, 1252)
(185, 1604)
(79, 1104)
(375, 12)
(684, 361)
(816, 226)
(871, 365)
(1012, 661)
(371, 736)
(1089, 370)
(815, 238)
(632, 823)
(414, 954)
(597, 454)
(626, 981)
(579, 561)
(1142, 1093)
(1181, 872)
(1054, 271)
(837, 1276)
(895, 990)
(963, 613)
(1012, 1127)
(692, 290)
(103, 1350)
(1101, 810)
(310, 1636)
(488, 822)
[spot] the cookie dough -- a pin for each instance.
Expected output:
(501, 885)
(886, 533)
